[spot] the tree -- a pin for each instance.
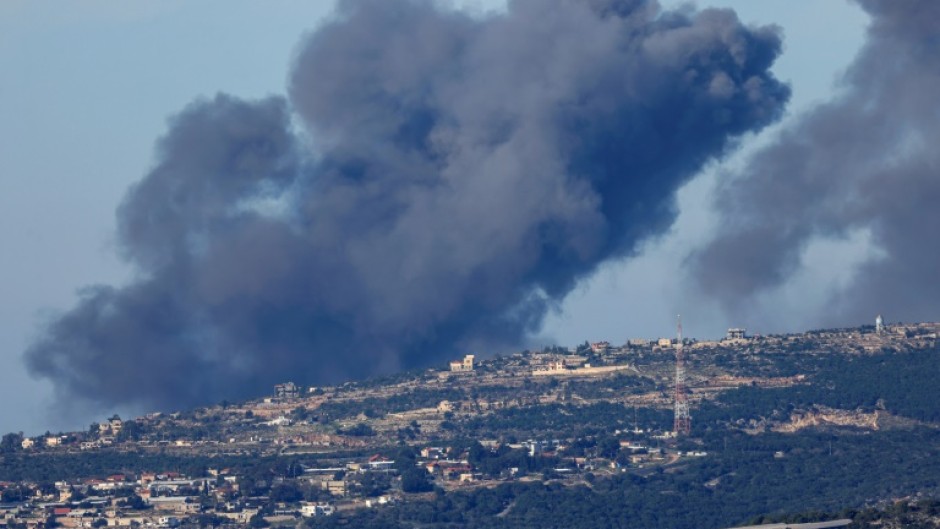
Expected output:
(373, 484)
(415, 480)
(136, 502)
(130, 431)
(286, 492)
(300, 414)
(11, 442)
(359, 430)
(608, 447)
(258, 521)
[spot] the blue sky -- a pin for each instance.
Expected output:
(88, 87)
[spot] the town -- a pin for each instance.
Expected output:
(569, 416)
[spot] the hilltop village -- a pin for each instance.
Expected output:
(563, 416)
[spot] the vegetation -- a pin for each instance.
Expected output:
(740, 478)
(902, 384)
(377, 407)
(567, 419)
(745, 479)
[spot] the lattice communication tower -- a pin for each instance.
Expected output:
(682, 422)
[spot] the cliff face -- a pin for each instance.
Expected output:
(827, 416)
(824, 416)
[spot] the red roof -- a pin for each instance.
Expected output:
(61, 511)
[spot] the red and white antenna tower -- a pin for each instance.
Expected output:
(682, 422)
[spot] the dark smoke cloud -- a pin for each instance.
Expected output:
(865, 161)
(464, 174)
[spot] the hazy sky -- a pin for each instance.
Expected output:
(88, 86)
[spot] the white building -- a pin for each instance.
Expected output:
(310, 510)
(462, 365)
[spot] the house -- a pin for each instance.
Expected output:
(432, 452)
(310, 510)
(462, 366)
(176, 504)
(116, 424)
(556, 366)
(470, 477)
(379, 463)
(454, 472)
(381, 500)
(286, 391)
(168, 521)
(241, 517)
(279, 421)
(127, 521)
(336, 487)
(111, 427)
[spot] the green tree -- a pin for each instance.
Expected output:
(11, 442)
(258, 521)
(286, 492)
(415, 480)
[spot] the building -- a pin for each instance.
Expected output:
(664, 342)
(287, 391)
(116, 424)
(279, 421)
(432, 452)
(176, 504)
(310, 510)
(336, 487)
(380, 463)
(242, 517)
(736, 334)
(111, 427)
(557, 366)
(600, 347)
(465, 365)
(381, 500)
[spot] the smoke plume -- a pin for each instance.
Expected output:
(865, 162)
(431, 186)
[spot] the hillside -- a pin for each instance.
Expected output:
(823, 420)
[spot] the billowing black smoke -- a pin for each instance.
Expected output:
(455, 176)
(865, 162)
